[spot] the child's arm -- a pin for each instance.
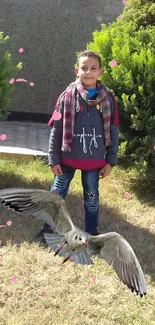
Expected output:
(56, 170)
(55, 141)
(105, 171)
(112, 150)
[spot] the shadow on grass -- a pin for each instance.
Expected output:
(9, 179)
(144, 190)
(142, 186)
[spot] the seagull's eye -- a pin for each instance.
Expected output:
(80, 238)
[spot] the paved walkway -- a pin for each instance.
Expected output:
(24, 138)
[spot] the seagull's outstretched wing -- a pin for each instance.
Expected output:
(42, 204)
(118, 253)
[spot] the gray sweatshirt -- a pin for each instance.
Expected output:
(88, 140)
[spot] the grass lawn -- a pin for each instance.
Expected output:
(36, 289)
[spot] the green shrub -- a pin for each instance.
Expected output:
(141, 11)
(132, 80)
(7, 71)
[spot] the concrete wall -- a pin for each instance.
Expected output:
(50, 31)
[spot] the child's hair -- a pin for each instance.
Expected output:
(89, 53)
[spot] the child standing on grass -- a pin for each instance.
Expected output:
(84, 135)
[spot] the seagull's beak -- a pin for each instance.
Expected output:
(84, 244)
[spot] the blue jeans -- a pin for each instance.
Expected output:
(90, 179)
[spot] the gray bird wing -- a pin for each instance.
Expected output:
(118, 253)
(81, 256)
(54, 240)
(42, 204)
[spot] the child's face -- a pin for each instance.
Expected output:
(88, 71)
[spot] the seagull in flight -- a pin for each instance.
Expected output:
(71, 242)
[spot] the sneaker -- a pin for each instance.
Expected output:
(40, 235)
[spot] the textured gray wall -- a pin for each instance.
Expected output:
(50, 31)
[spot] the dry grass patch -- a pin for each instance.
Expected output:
(68, 287)
(47, 292)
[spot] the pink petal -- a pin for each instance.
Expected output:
(9, 223)
(124, 2)
(58, 245)
(56, 116)
(1, 259)
(68, 310)
(113, 63)
(56, 192)
(11, 81)
(13, 279)
(31, 84)
(3, 137)
(45, 294)
(154, 147)
(21, 80)
(21, 50)
(94, 279)
(127, 196)
(121, 16)
(2, 226)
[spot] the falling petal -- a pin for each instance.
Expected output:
(21, 50)
(13, 279)
(56, 192)
(31, 84)
(124, 2)
(154, 147)
(3, 137)
(9, 223)
(11, 81)
(56, 116)
(2, 226)
(94, 279)
(121, 16)
(58, 245)
(68, 310)
(127, 196)
(113, 63)
(1, 259)
(45, 294)
(21, 80)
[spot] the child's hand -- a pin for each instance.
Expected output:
(56, 170)
(105, 171)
